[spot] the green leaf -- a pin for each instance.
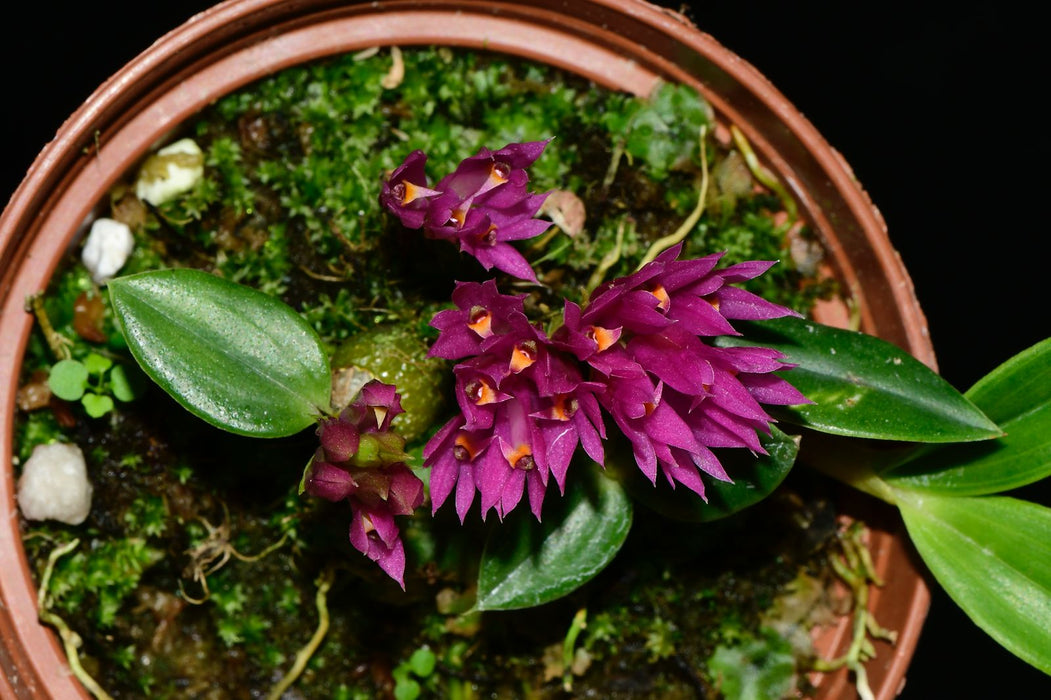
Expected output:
(121, 385)
(422, 662)
(754, 478)
(406, 688)
(992, 555)
(862, 386)
(97, 364)
(68, 379)
(235, 357)
(526, 563)
(1017, 395)
(97, 405)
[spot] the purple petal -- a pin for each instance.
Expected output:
(406, 490)
(675, 359)
(329, 482)
(389, 557)
(561, 440)
(464, 490)
(706, 461)
(771, 389)
(685, 474)
(491, 476)
(681, 273)
(665, 425)
(506, 258)
(536, 488)
(744, 271)
(735, 303)
(339, 439)
(699, 317)
(512, 493)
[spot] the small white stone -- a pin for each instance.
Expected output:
(54, 485)
(169, 172)
(107, 248)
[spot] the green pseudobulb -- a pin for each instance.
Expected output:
(394, 354)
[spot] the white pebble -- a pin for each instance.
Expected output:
(54, 485)
(169, 172)
(107, 248)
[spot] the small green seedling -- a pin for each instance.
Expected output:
(421, 665)
(94, 381)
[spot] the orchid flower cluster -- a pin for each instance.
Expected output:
(482, 205)
(635, 353)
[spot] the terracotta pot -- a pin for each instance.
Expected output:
(625, 44)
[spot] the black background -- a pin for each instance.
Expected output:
(936, 111)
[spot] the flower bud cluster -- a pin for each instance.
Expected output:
(360, 460)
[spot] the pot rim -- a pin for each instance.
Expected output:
(236, 42)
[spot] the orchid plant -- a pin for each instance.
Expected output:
(669, 369)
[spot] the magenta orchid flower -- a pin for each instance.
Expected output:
(482, 206)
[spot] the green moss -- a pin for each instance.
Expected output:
(760, 667)
(148, 516)
(94, 583)
(37, 428)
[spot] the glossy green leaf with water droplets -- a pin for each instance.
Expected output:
(863, 386)
(528, 563)
(1017, 395)
(237, 358)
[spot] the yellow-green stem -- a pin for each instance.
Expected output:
(324, 583)
(662, 244)
(614, 164)
(58, 343)
(763, 175)
(608, 260)
(858, 476)
(70, 640)
(856, 571)
(569, 646)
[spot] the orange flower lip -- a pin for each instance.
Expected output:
(481, 392)
(458, 216)
(564, 407)
(413, 192)
(480, 321)
(603, 337)
(498, 174)
(663, 300)
(521, 457)
(465, 450)
(523, 355)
